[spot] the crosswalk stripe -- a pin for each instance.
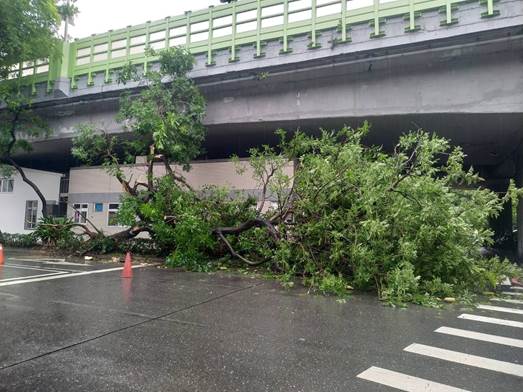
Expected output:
(491, 320)
(404, 382)
(466, 359)
(512, 293)
(507, 300)
(500, 309)
(516, 288)
(485, 337)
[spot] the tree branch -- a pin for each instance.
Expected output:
(222, 231)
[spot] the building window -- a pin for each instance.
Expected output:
(80, 213)
(112, 216)
(31, 214)
(6, 185)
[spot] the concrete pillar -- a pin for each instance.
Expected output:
(519, 222)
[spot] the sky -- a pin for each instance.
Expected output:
(98, 16)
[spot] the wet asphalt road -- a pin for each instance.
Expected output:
(170, 331)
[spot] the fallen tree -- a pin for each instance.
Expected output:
(408, 223)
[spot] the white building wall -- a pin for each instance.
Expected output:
(12, 204)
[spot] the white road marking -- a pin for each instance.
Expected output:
(491, 320)
(404, 382)
(39, 260)
(466, 359)
(32, 276)
(510, 301)
(65, 263)
(485, 337)
(516, 288)
(500, 309)
(28, 268)
(511, 293)
(71, 275)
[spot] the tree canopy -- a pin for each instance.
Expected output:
(28, 31)
(165, 121)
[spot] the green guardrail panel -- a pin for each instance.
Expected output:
(231, 26)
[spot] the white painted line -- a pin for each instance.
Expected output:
(66, 263)
(39, 260)
(516, 288)
(32, 276)
(404, 382)
(491, 320)
(485, 337)
(500, 309)
(509, 301)
(26, 267)
(466, 359)
(68, 275)
(511, 293)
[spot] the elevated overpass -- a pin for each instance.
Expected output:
(450, 66)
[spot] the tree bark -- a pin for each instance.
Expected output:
(20, 170)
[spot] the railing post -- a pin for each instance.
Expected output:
(90, 81)
(210, 37)
(73, 53)
(258, 29)
(344, 20)
(188, 30)
(147, 42)
(449, 20)
(128, 43)
(412, 22)
(313, 44)
(167, 32)
(411, 18)
(377, 31)
(490, 9)
(109, 57)
(285, 42)
(233, 57)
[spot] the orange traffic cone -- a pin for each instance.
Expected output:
(1, 254)
(127, 267)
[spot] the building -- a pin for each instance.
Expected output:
(20, 207)
(95, 196)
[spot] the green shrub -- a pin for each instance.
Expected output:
(19, 240)
(401, 284)
(56, 232)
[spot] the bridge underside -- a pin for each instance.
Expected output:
(489, 139)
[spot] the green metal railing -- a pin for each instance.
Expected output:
(229, 27)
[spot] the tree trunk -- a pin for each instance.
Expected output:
(20, 170)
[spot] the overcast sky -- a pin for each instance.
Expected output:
(98, 16)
